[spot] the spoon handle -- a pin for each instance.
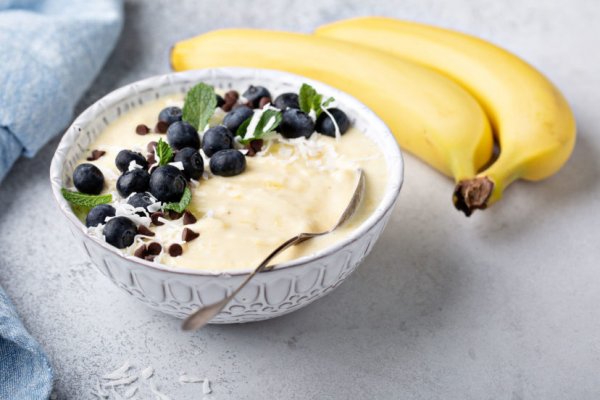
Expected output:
(201, 317)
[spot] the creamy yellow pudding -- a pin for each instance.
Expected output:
(290, 186)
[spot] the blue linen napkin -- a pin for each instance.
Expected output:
(25, 372)
(50, 51)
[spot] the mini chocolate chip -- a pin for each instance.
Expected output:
(141, 251)
(142, 129)
(151, 159)
(154, 217)
(96, 154)
(254, 147)
(230, 98)
(161, 127)
(189, 218)
(174, 214)
(175, 250)
(154, 248)
(151, 146)
(257, 144)
(143, 230)
(250, 152)
(188, 235)
(263, 101)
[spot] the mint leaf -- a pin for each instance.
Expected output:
(199, 106)
(327, 102)
(163, 152)
(309, 99)
(268, 122)
(305, 97)
(85, 200)
(323, 105)
(241, 130)
(182, 204)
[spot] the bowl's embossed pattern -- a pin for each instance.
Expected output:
(179, 292)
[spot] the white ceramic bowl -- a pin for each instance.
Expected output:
(178, 292)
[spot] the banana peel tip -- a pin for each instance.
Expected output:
(472, 194)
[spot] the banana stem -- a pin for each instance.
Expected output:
(472, 194)
(487, 187)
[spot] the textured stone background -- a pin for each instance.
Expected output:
(503, 305)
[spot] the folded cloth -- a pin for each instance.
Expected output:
(51, 50)
(25, 372)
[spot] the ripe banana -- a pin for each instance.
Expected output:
(429, 114)
(533, 122)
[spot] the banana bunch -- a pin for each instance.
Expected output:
(439, 91)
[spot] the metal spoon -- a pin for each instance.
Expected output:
(200, 317)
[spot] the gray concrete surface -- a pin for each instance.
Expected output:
(504, 305)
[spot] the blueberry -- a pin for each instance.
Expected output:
(193, 164)
(141, 199)
(295, 123)
(98, 214)
(167, 183)
(133, 181)
(170, 115)
(227, 163)
(120, 232)
(215, 139)
(87, 178)
(220, 100)
(125, 157)
(236, 117)
(325, 125)
(181, 134)
(254, 93)
(286, 100)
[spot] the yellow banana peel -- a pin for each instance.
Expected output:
(532, 121)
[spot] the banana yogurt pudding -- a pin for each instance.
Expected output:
(215, 182)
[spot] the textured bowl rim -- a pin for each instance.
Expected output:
(392, 191)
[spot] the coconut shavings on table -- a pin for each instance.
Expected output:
(129, 383)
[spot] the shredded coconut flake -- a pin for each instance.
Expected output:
(206, 389)
(129, 211)
(118, 373)
(177, 164)
(154, 207)
(190, 379)
(133, 165)
(338, 135)
(147, 373)
(269, 124)
(253, 123)
(128, 380)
